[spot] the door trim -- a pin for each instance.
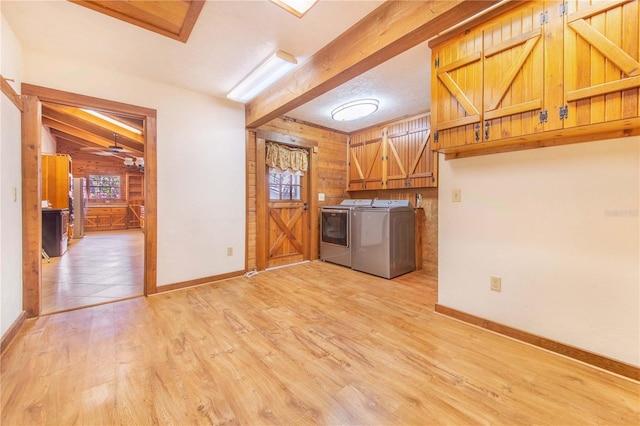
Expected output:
(31, 178)
(262, 136)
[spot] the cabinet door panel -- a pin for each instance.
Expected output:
(119, 218)
(411, 163)
(457, 91)
(601, 61)
(514, 74)
(365, 162)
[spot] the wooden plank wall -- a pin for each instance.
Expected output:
(332, 169)
(84, 163)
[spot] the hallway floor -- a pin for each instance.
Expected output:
(99, 268)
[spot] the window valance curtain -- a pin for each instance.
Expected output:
(284, 157)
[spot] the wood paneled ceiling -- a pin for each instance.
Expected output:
(91, 133)
(171, 18)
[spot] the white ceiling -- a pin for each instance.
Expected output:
(229, 39)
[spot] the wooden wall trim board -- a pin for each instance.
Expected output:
(7, 338)
(590, 133)
(198, 281)
(389, 30)
(295, 140)
(150, 205)
(261, 207)
(249, 205)
(11, 94)
(175, 19)
(582, 355)
(46, 94)
(32, 208)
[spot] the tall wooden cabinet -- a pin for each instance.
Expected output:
(540, 70)
(56, 180)
(57, 185)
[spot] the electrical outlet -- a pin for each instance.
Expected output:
(496, 283)
(456, 196)
(320, 196)
(229, 251)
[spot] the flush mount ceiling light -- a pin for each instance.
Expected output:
(274, 67)
(355, 109)
(297, 7)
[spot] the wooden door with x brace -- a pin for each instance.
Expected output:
(286, 198)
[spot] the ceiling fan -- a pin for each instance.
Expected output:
(108, 150)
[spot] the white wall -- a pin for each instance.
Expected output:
(49, 145)
(201, 163)
(10, 184)
(561, 227)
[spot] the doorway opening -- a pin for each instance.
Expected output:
(82, 136)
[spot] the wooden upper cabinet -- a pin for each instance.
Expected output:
(456, 91)
(541, 73)
(514, 74)
(602, 50)
(392, 156)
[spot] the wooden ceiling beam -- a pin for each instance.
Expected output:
(89, 124)
(81, 143)
(81, 134)
(97, 122)
(389, 30)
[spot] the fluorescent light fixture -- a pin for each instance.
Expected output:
(274, 67)
(297, 7)
(112, 121)
(355, 109)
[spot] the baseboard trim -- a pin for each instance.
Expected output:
(618, 367)
(12, 331)
(198, 281)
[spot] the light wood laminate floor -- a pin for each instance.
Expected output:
(102, 267)
(310, 344)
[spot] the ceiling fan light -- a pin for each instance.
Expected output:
(355, 109)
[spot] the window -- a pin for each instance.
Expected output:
(104, 187)
(284, 185)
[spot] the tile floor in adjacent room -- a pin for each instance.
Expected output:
(99, 268)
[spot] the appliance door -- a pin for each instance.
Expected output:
(335, 241)
(335, 226)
